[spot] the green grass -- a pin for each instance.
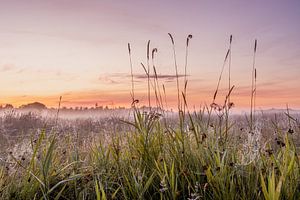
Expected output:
(149, 163)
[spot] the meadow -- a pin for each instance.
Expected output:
(152, 153)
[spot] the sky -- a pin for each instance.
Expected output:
(78, 50)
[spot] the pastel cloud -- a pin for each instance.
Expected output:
(49, 48)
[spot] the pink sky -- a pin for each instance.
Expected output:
(78, 49)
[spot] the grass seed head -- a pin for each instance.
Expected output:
(171, 38)
(129, 49)
(188, 39)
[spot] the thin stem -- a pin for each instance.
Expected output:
(148, 65)
(218, 85)
(58, 109)
(185, 66)
(252, 87)
(227, 108)
(176, 71)
(165, 96)
(229, 67)
(131, 72)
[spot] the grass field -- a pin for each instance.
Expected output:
(154, 154)
(148, 158)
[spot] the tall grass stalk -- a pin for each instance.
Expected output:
(148, 73)
(58, 109)
(217, 88)
(176, 71)
(253, 89)
(229, 104)
(229, 67)
(165, 97)
(189, 37)
(131, 72)
(156, 83)
(180, 111)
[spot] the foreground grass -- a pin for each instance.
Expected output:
(203, 155)
(194, 160)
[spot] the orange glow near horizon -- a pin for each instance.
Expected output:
(240, 98)
(78, 50)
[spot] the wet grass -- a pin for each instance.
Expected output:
(154, 161)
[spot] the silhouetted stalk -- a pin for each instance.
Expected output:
(229, 67)
(148, 78)
(131, 72)
(156, 82)
(185, 67)
(159, 91)
(289, 117)
(176, 71)
(218, 85)
(148, 65)
(155, 87)
(180, 113)
(252, 88)
(227, 106)
(165, 96)
(154, 78)
(220, 77)
(255, 89)
(58, 109)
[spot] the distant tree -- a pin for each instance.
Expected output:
(8, 106)
(35, 105)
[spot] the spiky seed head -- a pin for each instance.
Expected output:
(214, 106)
(255, 73)
(255, 45)
(135, 101)
(154, 51)
(188, 39)
(171, 38)
(230, 105)
(60, 99)
(129, 49)
(148, 49)
(230, 40)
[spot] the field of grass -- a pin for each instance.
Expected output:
(148, 158)
(204, 154)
